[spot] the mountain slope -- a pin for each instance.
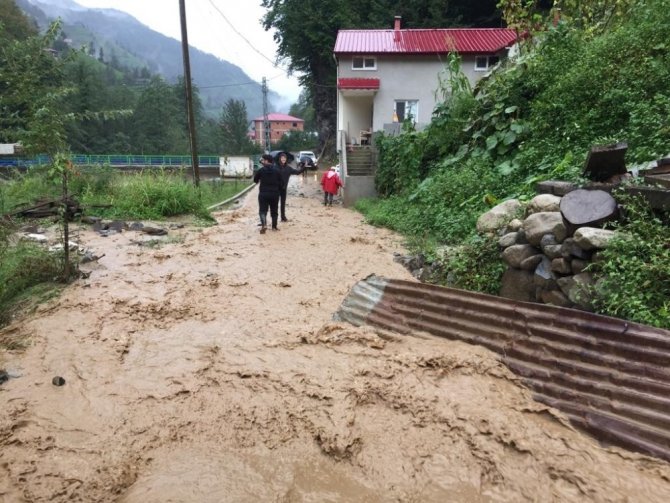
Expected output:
(136, 45)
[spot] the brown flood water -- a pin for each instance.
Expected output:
(208, 370)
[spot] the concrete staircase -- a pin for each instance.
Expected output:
(361, 161)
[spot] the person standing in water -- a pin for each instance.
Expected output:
(270, 181)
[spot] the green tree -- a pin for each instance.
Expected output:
(234, 127)
(157, 121)
(15, 24)
(304, 109)
(595, 16)
(31, 84)
(305, 31)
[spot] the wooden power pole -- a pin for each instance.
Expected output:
(266, 123)
(189, 94)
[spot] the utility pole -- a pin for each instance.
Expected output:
(189, 94)
(266, 122)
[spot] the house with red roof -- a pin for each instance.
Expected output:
(387, 76)
(278, 125)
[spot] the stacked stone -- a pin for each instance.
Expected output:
(547, 253)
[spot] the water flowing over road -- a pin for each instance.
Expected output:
(209, 369)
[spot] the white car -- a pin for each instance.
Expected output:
(308, 153)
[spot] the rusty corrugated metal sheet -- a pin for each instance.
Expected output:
(609, 376)
(463, 40)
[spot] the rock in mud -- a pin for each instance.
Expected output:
(58, 381)
(154, 231)
(4, 376)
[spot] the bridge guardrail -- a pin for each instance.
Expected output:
(113, 160)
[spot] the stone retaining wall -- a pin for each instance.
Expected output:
(547, 256)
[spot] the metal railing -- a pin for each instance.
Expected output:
(114, 160)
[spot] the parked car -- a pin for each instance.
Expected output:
(310, 154)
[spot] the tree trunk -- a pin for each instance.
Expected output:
(325, 109)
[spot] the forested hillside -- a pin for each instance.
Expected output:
(121, 40)
(103, 104)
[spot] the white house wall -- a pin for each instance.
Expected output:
(404, 77)
(357, 115)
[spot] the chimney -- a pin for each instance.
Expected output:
(396, 25)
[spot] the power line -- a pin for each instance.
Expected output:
(239, 83)
(274, 63)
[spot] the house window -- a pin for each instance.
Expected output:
(406, 110)
(364, 63)
(295, 124)
(483, 63)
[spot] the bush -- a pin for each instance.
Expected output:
(634, 271)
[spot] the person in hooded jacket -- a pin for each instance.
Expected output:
(270, 184)
(281, 162)
(331, 183)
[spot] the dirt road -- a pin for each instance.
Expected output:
(208, 370)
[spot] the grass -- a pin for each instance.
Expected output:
(151, 194)
(28, 271)
(23, 266)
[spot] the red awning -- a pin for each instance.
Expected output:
(351, 83)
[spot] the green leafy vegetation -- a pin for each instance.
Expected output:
(587, 81)
(305, 31)
(634, 270)
(152, 194)
(22, 267)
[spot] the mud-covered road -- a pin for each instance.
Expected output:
(209, 370)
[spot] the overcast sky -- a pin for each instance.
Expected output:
(209, 32)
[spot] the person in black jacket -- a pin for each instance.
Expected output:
(268, 192)
(281, 162)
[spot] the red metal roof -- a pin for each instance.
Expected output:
(279, 118)
(358, 83)
(462, 40)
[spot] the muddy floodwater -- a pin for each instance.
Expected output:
(208, 369)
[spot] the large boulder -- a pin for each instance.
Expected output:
(499, 216)
(530, 263)
(570, 249)
(553, 251)
(515, 254)
(518, 285)
(556, 187)
(590, 238)
(514, 225)
(543, 203)
(561, 266)
(588, 208)
(508, 239)
(545, 278)
(537, 225)
(578, 289)
(555, 297)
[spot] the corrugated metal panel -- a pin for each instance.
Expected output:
(472, 40)
(609, 376)
(348, 83)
